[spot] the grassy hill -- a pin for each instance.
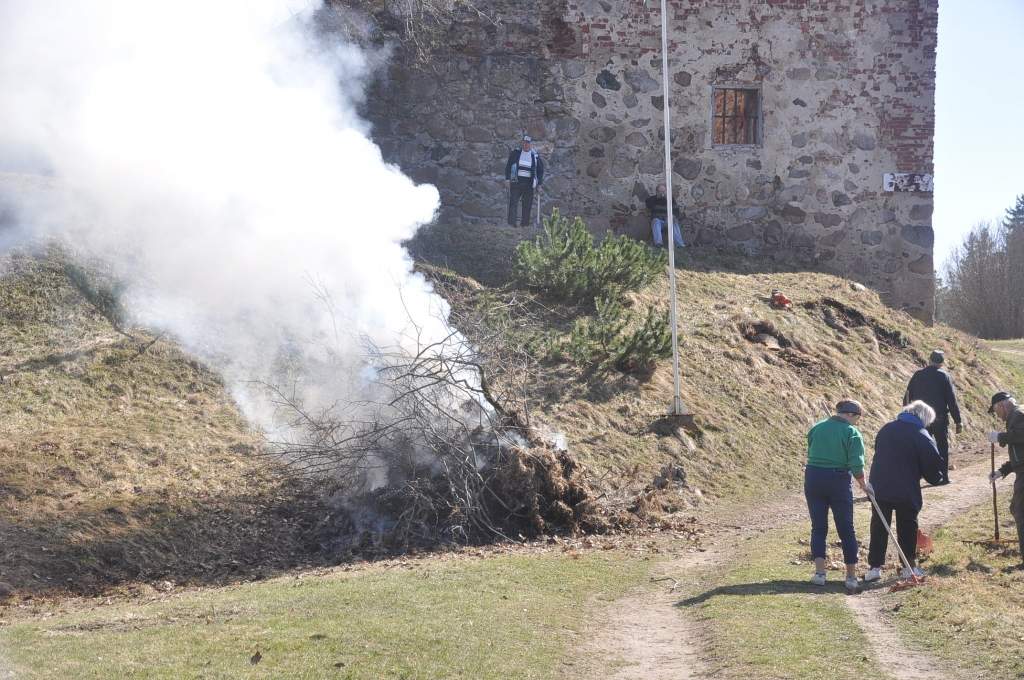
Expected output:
(121, 458)
(124, 460)
(755, 377)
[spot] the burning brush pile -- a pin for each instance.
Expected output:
(432, 459)
(521, 493)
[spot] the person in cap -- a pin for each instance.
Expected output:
(657, 208)
(904, 454)
(933, 386)
(524, 171)
(1005, 407)
(835, 452)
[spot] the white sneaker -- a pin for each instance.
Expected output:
(905, 573)
(874, 574)
(818, 579)
(852, 584)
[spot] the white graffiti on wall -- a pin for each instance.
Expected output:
(907, 181)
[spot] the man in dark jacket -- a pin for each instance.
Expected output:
(524, 171)
(904, 454)
(657, 208)
(933, 386)
(1004, 406)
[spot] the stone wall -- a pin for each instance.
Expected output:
(847, 90)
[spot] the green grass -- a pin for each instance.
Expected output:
(764, 620)
(1014, 345)
(971, 612)
(501, 617)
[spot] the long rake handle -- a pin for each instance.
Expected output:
(995, 504)
(881, 517)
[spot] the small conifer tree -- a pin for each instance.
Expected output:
(563, 263)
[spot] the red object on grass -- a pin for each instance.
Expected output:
(780, 300)
(925, 546)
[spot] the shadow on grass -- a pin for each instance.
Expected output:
(485, 252)
(776, 587)
(57, 358)
(205, 540)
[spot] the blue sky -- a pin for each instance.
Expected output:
(979, 144)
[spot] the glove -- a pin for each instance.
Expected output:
(994, 475)
(993, 437)
(868, 489)
(959, 428)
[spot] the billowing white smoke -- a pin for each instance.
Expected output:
(210, 150)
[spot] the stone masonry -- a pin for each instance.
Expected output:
(846, 95)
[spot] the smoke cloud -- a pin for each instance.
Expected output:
(212, 153)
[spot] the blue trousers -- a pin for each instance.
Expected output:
(658, 226)
(824, 489)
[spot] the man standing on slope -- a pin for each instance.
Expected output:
(524, 171)
(933, 386)
(1004, 406)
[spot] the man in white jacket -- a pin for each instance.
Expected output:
(524, 171)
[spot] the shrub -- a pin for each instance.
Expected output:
(563, 263)
(613, 338)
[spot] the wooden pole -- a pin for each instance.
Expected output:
(995, 504)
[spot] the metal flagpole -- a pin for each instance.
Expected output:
(677, 400)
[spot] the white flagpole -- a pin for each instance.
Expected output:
(677, 400)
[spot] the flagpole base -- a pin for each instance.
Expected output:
(680, 413)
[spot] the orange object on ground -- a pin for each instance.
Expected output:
(780, 300)
(925, 545)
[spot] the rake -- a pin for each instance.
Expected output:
(914, 579)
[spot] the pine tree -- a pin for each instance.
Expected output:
(1013, 237)
(564, 263)
(1014, 220)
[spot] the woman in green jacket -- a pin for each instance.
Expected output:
(835, 452)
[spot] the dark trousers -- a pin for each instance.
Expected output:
(520, 192)
(941, 433)
(824, 489)
(1017, 510)
(906, 532)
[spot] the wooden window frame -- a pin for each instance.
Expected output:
(756, 120)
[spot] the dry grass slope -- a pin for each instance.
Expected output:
(124, 461)
(121, 459)
(756, 377)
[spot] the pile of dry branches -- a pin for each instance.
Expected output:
(439, 453)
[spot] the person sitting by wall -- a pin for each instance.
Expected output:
(524, 171)
(657, 206)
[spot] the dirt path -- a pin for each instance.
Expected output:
(872, 608)
(5, 671)
(645, 636)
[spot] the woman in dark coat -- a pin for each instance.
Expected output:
(904, 454)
